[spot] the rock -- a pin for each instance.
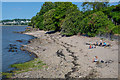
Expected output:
(22, 48)
(12, 50)
(9, 50)
(29, 41)
(26, 76)
(15, 47)
(19, 40)
(59, 53)
(44, 49)
(11, 45)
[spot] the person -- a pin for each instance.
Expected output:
(90, 46)
(96, 43)
(94, 46)
(95, 59)
(100, 43)
(104, 44)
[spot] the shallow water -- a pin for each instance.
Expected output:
(9, 37)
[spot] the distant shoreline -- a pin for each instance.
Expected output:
(13, 25)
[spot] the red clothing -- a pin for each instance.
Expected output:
(90, 46)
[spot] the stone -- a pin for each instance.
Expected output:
(19, 40)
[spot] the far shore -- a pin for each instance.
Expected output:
(13, 25)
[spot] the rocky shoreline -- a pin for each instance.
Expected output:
(69, 57)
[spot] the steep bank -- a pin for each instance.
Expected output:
(68, 57)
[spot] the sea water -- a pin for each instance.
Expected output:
(9, 37)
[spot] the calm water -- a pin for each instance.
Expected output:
(9, 37)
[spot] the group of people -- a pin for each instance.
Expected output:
(104, 44)
(101, 43)
(93, 45)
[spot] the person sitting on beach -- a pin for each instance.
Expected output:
(96, 43)
(94, 46)
(104, 44)
(90, 46)
(100, 43)
(95, 59)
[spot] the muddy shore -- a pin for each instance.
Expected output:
(69, 57)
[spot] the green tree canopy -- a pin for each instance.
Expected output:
(65, 17)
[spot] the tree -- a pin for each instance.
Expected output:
(97, 4)
(46, 7)
(95, 23)
(66, 18)
(70, 23)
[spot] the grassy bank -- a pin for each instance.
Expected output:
(24, 67)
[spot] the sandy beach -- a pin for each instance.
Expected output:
(69, 57)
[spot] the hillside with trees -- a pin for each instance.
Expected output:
(66, 18)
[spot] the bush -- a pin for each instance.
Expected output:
(95, 23)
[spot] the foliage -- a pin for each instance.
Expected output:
(29, 65)
(113, 12)
(116, 29)
(24, 67)
(70, 23)
(96, 23)
(97, 4)
(46, 7)
(65, 17)
(48, 21)
(6, 75)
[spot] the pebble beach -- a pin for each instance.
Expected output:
(70, 57)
